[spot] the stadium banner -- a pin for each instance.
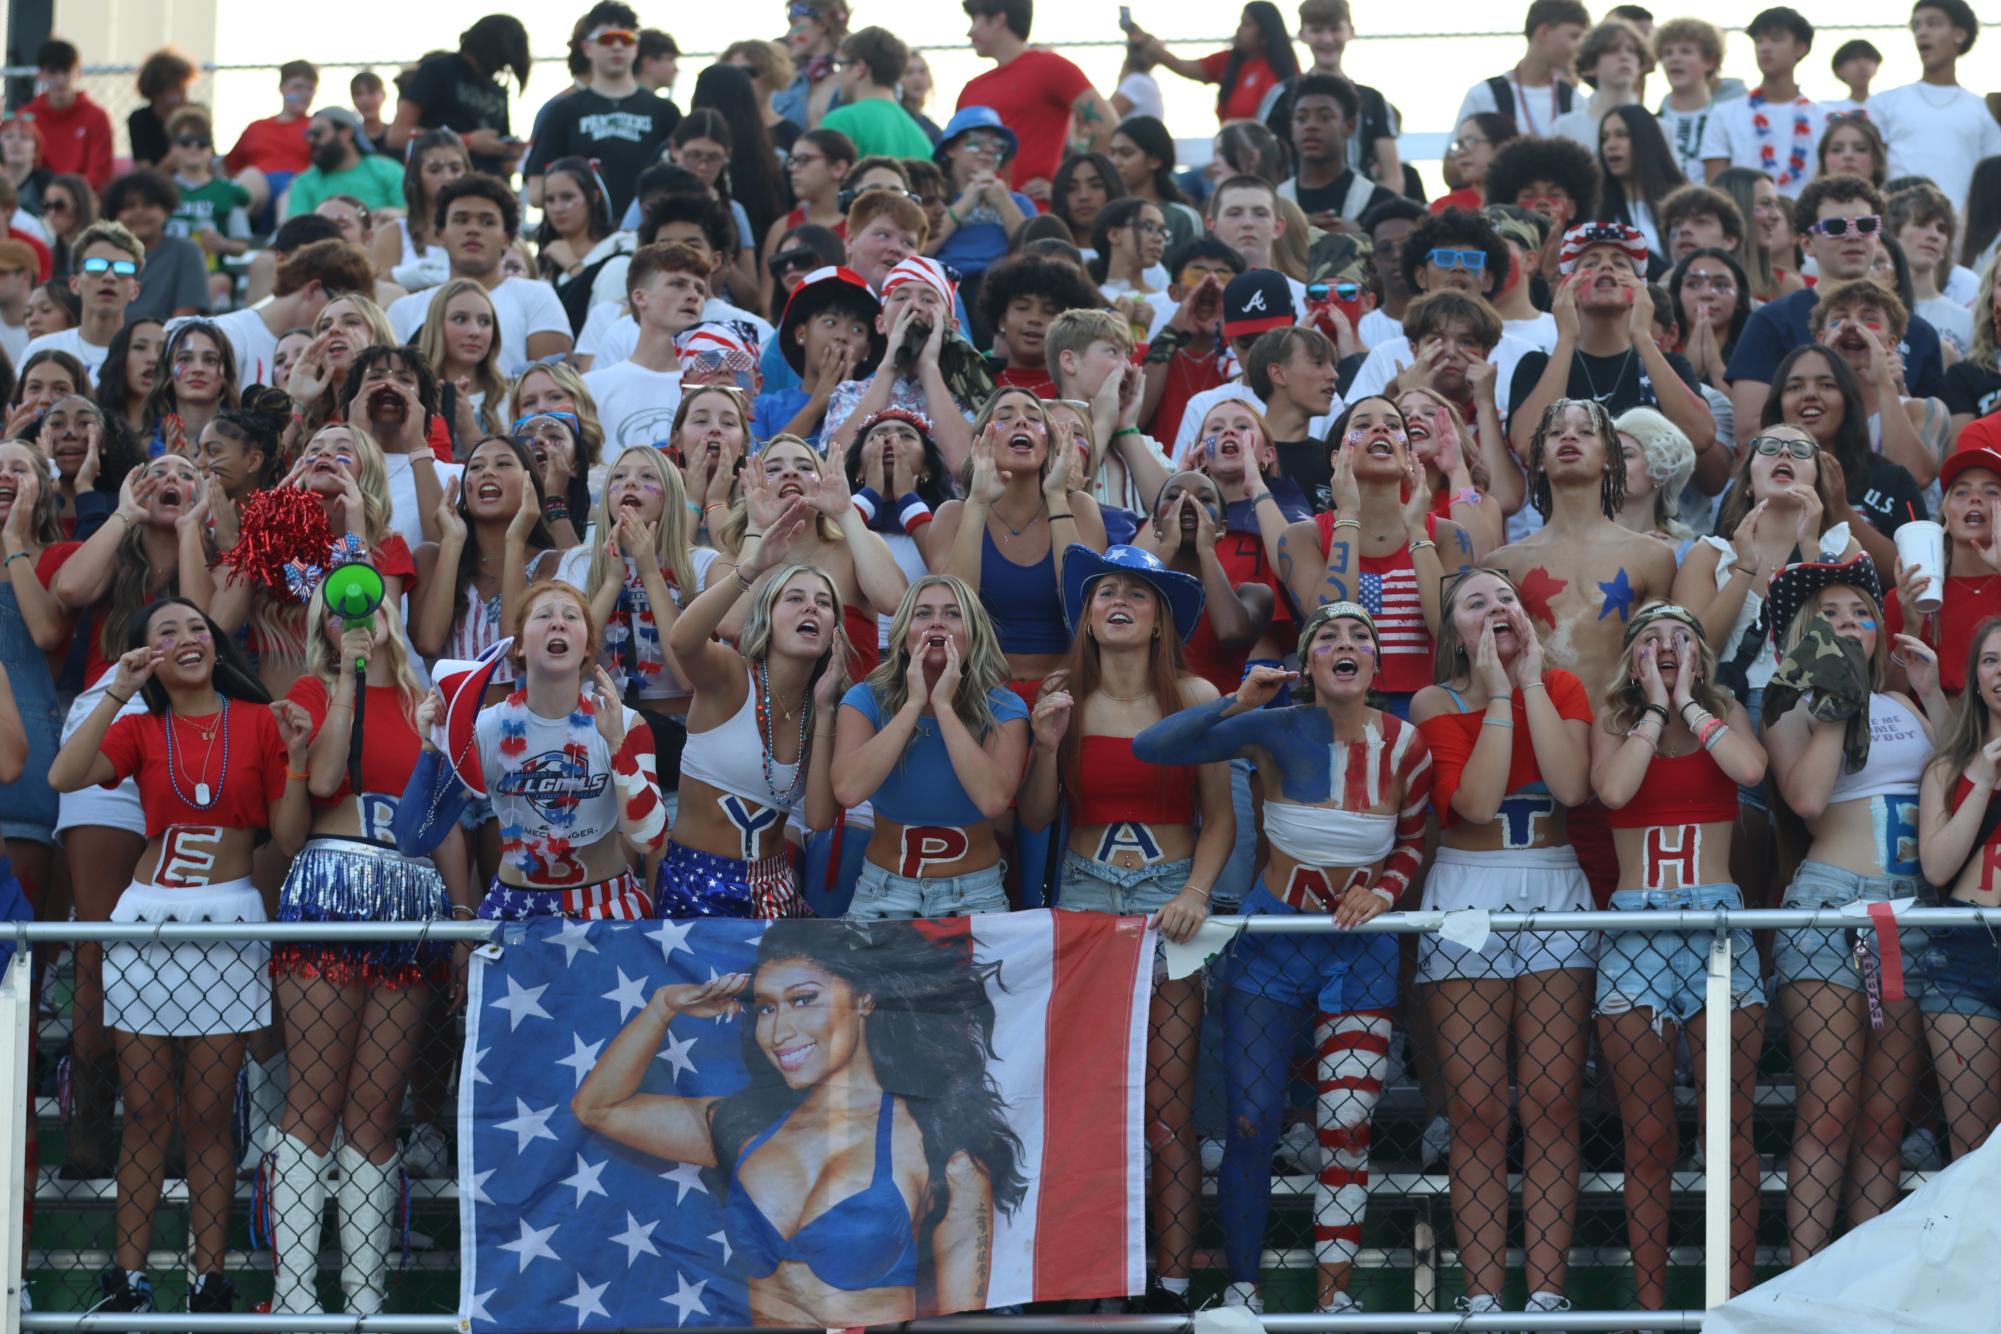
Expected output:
(802, 1122)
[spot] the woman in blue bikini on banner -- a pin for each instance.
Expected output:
(866, 1157)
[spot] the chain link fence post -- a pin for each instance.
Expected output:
(17, 1008)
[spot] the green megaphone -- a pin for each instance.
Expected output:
(354, 589)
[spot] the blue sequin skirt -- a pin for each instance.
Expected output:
(352, 880)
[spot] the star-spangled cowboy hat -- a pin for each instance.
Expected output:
(1083, 566)
(463, 685)
(1795, 585)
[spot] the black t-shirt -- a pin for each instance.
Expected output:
(1619, 382)
(1972, 388)
(149, 135)
(1333, 197)
(1377, 121)
(625, 135)
(1887, 496)
(1310, 467)
(454, 98)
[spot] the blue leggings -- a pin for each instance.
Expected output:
(1260, 1039)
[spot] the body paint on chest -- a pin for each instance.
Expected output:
(1619, 594)
(1538, 586)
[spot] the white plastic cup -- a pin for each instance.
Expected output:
(1921, 547)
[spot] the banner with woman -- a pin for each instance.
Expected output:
(801, 1122)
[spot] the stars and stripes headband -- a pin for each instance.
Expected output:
(1582, 237)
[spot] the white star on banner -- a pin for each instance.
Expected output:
(687, 1299)
(672, 936)
(474, 1075)
(532, 1244)
(630, 993)
(522, 1003)
(637, 1238)
(586, 1301)
(581, 1058)
(477, 1310)
(723, 1239)
(585, 1182)
(478, 1184)
(574, 937)
(675, 1053)
(528, 1125)
(686, 1177)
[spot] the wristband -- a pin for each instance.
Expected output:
(1127, 430)
(1498, 722)
(14, 556)
(912, 513)
(1537, 685)
(1423, 544)
(743, 583)
(1054, 517)
(1263, 496)
(555, 509)
(867, 501)
(953, 216)
(293, 775)
(123, 700)
(470, 914)
(1389, 899)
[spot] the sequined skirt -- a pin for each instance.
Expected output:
(701, 884)
(353, 880)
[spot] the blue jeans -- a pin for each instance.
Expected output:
(881, 895)
(1241, 869)
(1092, 886)
(1962, 970)
(28, 804)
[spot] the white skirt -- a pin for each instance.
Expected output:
(106, 807)
(189, 988)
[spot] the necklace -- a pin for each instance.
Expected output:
(204, 798)
(1625, 364)
(1123, 699)
(779, 800)
(1013, 531)
(1768, 153)
(1925, 94)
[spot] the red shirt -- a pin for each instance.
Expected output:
(243, 765)
(390, 743)
(271, 144)
(1255, 78)
(1949, 631)
(1242, 556)
(1033, 94)
(94, 662)
(1187, 376)
(76, 139)
(1452, 737)
(1034, 379)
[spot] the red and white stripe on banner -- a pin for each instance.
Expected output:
(1074, 1071)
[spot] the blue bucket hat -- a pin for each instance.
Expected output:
(974, 118)
(1083, 566)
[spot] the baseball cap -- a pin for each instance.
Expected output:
(1257, 301)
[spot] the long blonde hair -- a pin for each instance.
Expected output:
(1625, 698)
(326, 407)
(755, 643)
(323, 658)
(729, 534)
(981, 668)
(371, 476)
(1879, 658)
(671, 542)
(486, 378)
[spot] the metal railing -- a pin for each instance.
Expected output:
(18, 1037)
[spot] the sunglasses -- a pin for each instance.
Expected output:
(1866, 225)
(617, 37)
(124, 268)
(1472, 261)
(1339, 291)
(1773, 445)
(192, 141)
(785, 261)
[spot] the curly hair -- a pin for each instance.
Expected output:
(1036, 275)
(1461, 228)
(410, 359)
(930, 1038)
(1520, 163)
(1670, 460)
(1611, 490)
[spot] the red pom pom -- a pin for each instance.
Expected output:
(278, 527)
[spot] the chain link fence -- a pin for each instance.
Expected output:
(1470, 1134)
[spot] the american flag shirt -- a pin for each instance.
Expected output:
(1387, 589)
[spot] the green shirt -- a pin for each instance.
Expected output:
(376, 181)
(879, 126)
(216, 205)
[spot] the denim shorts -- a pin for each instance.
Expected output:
(1668, 971)
(1094, 886)
(477, 811)
(1827, 953)
(882, 895)
(1962, 969)
(1506, 880)
(1331, 972)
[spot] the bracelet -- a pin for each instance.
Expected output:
(953, 216)
(749, 535)
(14, 556)
(120, 514)
(1263, 496)
(1423, 544)
(1537, 685)
(293, 775)
(743, 583)
(714, 505)
(1498, 722)
(555, 509)
(693, 508)
(1710, 730)
(123, 700)
(1348, 523)
(1054, 517)
(1660, 709)
(470, 913)
(1127, 430)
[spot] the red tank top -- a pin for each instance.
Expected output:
(1678, 790)
(1117, 787)
(1242, 556)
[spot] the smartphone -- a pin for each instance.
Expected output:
(1125, 18)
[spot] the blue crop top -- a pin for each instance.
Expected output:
(923, 789)
(848, 1247)
(1023, 601)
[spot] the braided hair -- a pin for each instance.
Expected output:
(1611, 489)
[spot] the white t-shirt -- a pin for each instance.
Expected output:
(1143, 91)
(1937, 133)
(14, 341)
(405, 515)
(1953, 321)
(1378, 326)
(524, 307)
(635, 406)
(1385, 359)
(1733, 133)
(1963, 285)
(1580, 126)
(1683, 130)
(1534, 110)
(70, 341)
(1539, 332)
(254, 344)
(610, 333)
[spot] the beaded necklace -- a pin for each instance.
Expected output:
(779, 800)
(1768, 153)
(204, 799)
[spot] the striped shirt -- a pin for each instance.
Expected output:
(1387, 588)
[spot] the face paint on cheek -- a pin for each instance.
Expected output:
(1867, 625)
(1357, 436)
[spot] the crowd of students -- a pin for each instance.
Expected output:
(781, 505)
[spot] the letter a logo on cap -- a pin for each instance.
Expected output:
(1257, 302)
